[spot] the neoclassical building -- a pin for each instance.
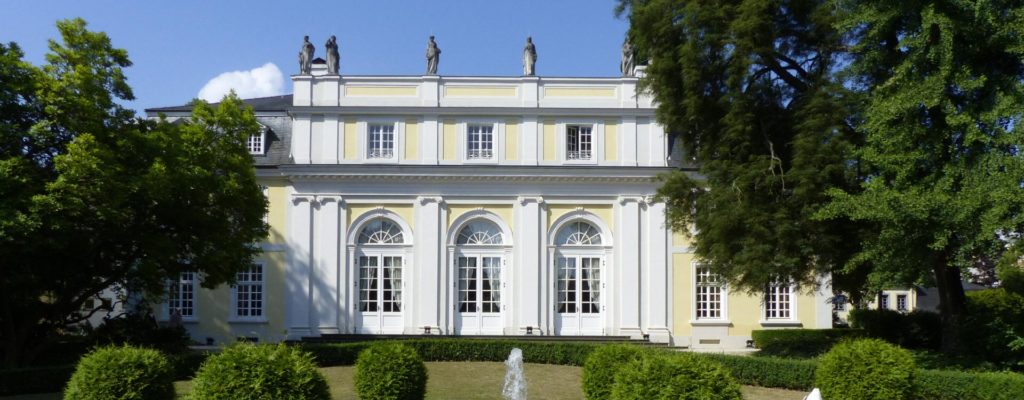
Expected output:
(443, 205)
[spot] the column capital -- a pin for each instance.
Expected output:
(299, 198)
(630, 199)
(324, 199)
(423, 200)
(530, 199)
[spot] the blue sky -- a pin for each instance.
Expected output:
(178, 47)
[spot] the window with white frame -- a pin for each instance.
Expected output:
(181, 295)
(883, 301)
(380, 141)
(479, 142)
(839, 302)
(579, 142)
(709, 289)
(249, 293)
(901, 302)
(778, 301)
(256, 141)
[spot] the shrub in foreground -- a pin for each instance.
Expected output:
(391, 371)
(601, 366)
(673, 376)
(247, 371)
(865, 369)
(122, 373)
(914, 330)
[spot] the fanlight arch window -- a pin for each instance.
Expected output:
(578, 233)
(480, 232)
(381, 231)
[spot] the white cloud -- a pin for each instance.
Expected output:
(257, 82)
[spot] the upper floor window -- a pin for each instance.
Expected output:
(479, 142)
(249, 293)
(579, 142)
(839, 302)
(901, 302)
(883, 302)
(256, 142)
(709, 291)
(778, 300)
(380, 141)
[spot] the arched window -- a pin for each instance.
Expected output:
(381, 231)
(578, 233)
(479, 232)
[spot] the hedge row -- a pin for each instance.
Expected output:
(958, 385)
(559, 353)
(800, 343)
(53, 378)
(769, 371)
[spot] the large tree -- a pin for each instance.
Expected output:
(750, 89)
(92, 197)
(943, 121)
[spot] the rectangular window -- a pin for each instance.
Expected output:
(901, 302)
(381, 141)
(181, 295)
(709, 290)
(578, 142)
(255, 143)
(839, 302)
(479, 142)
(883, 302)
(778, 301)
(249, 293)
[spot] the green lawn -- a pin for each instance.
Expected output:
(480, 380)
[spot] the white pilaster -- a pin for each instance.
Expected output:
(297, 284)
(627, 141)
(301, 131)
(823, 302)
(430, 91)
(428, 238)
(627, 93)
(326, 304)
(530, 263)
(302, 90)
(325, 90)
(656, 293)
(429, 140)
(531, 91)
(659, 145)
(529, 143)
(628, 244)
(329, 140)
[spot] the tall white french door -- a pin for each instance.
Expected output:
(380, 294)
(578, 309)
(479, 294)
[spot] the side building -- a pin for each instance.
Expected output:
(437, 205)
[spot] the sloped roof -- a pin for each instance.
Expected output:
(265, 104)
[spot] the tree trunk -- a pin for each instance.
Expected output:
(952, 304)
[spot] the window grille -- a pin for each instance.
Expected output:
(381, 143)
(578, 142)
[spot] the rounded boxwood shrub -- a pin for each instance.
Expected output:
(673, 376)
(248, 371)
(391, 371)
(600, 368)
(122, 373)
(865, 369)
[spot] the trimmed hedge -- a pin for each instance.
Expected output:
(247, 371)
(769, 371)
(914, 330)
(601, 366)
(559, 353)
(664, 375)
(866, 369)
(390, 371)
(800, 343)
(128, 373)
(958, 385)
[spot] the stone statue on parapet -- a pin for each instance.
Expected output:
(529, 58)
(433, 56)
(628, 63)
(306, 57)
(333, 58)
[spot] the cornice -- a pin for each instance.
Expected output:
(462, 111)
(435, 174)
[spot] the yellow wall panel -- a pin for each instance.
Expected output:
(412, 139)
(502, 211)
(214, 312)
(679, 239)
(480, 91)
(744, 312)
(578, 92)
(351, 136)
(681, 294)
(805, 307)
(511, 140)
(450, 141)
(611, 140)
(397, 91)
(550, 141)
(277, 203)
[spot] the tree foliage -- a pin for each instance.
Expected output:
(944, 85)
(92, 197)
(749, 89)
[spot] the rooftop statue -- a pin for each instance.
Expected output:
(333, 59)
(433, 56)
(529, 58)
(306, 57)
(628, 63)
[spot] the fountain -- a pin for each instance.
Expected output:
(515, 381)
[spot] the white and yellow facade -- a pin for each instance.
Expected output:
(473, 206)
